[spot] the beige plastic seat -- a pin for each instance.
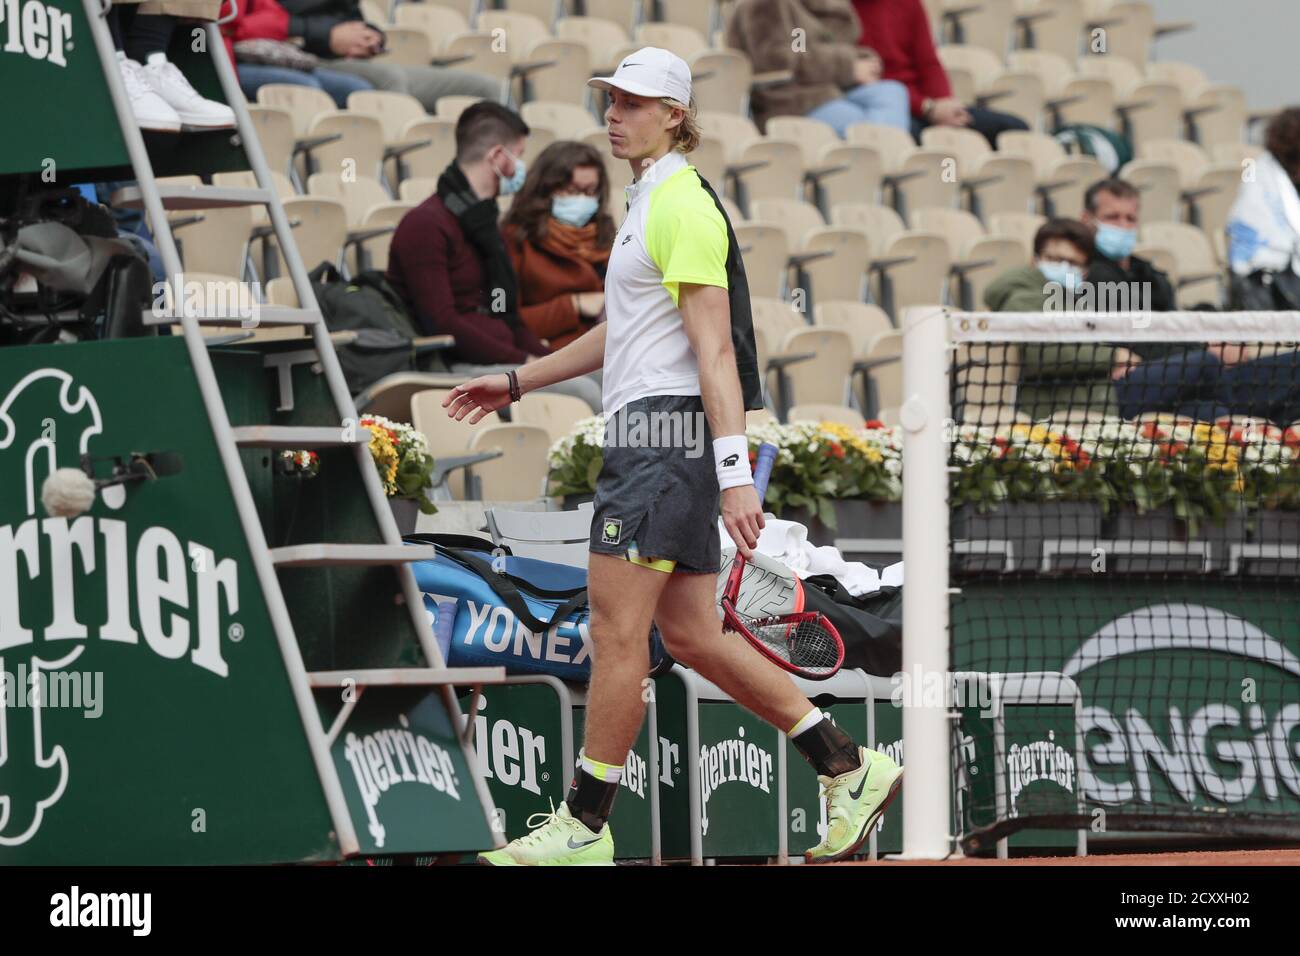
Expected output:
(275, 132)
(765, 251)
(699, 16)
(1130, 27)
(912, 178)
(986, 24)
(602, 38)
(558, 414)
(1071, 97)
(359, 149)
(475, 52)
(1051, 26)
(1235, 154)
(979, 77)
(1159, 184)
(1189, 159)
(405, 124)
(991, 182)
(320, 234)
(1200, 277)
(417, 190)
(1218, 188)
(710, 158)
(827, 354)
(984, 384)
(914, 271)
(544, 10)
(880, 224)
(985, 260)
(404, 46)
(429, 161)
(827, 412)
(861, 320)
(1060, 179)
(1212, 113)
(823, 152)
(566, 120)
(360, 197)
(542, 67)
(518, 475)
(722, 80)
(226, 295)
(1147, 109)
(1021, 226)
(626, 13)
(683, 40)
(212, 241)
(303, 103)
(280, 291)
(373, 253)
(828, 261)
(450, 107)
(885, 374)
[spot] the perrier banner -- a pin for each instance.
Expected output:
(145, 716)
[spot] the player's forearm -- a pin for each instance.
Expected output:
(582, 356)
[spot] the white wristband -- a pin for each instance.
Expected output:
(731, 459)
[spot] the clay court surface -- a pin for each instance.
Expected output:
(1290, 857)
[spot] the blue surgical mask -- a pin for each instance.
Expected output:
(1064, 274)
(1115, 243)
(574, 210)
(515, 182)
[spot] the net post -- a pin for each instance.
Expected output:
(924, 417)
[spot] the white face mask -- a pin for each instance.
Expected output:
(574, 210)
(1065, 274)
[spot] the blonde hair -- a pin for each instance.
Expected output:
(686, 136)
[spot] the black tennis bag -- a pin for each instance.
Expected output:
(871, 626)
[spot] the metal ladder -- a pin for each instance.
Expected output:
(156, 199)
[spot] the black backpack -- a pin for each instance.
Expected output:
(367, 305)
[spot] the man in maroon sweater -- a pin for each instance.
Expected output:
(448, 259)
(899, 30)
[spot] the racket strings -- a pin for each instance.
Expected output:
(804, 640)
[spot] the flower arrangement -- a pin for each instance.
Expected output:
(302, 463)
(576, 458)
(1201, 470)
(402, 459)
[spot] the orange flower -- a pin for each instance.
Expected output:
(836, 450)
(874, 423)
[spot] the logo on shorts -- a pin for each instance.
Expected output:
(730, 460)
(611, 530)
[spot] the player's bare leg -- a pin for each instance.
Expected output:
(858, 783)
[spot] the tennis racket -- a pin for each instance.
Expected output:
(805, 642)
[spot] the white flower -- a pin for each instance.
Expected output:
(893, 466)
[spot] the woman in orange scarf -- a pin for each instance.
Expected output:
(559, 238)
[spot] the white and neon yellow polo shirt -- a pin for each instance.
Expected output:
(673, 233)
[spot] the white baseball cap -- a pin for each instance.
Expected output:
(650, 71)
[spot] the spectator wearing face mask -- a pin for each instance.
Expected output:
(1111, 210)
(559, 242)
(1055, 377)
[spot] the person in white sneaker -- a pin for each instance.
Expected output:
(162, 99)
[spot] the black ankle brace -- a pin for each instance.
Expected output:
(830, 750)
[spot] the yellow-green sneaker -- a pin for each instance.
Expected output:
(854, 802)
(557, 839)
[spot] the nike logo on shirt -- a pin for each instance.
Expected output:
(626, 239)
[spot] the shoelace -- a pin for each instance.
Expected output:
(171, 74)
(546, 820)
(135, 83)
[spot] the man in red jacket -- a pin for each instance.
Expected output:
(448, 259)
(899, 30)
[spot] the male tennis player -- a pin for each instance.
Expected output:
(678, 340)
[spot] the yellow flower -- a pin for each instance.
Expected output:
(874, 456)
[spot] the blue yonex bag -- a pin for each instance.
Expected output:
(524, 614)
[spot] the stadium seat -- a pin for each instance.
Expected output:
(558, 414)
(861, 320)
(986, 24)
(991, 85)
(222, 293)
(914, 271)
(757, 167)
(280, 291)
(765, 251)
(417, 189)
(1200, 277)
(1071, 98)
(1158, 183)
(603, 39)
(1212, 113)
(626, 13)
(1018, 226)
(685, 41)
(404, 46)
(710, 160)
(827, 412)
(1147, 109)
(320, 232)
(359, 148)
(703, 17)
(991, 182)
(275, 134)
(544, 10)
(721, 80)
(827, 261)
(517, 475)
(835, 171)
(1129, 27)
(211, 241)
(913, 178)
(883, 358)
(1060, 179)
(566, 120)
(1050, 26)
(979, 258)
(542, 67)
(563, 537)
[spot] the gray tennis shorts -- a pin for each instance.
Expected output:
(657, 495)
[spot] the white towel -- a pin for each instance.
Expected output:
(787, 542)
(1264, 222)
